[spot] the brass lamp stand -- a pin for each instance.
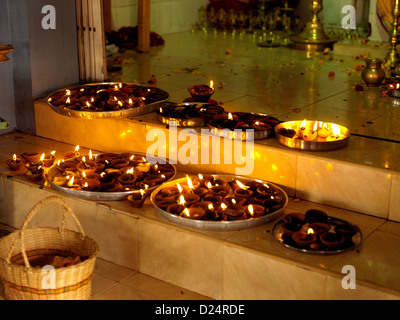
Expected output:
(393, 55)
(313, 38)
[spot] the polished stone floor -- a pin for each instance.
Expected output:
(282, 82)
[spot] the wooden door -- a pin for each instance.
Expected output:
(91, 41)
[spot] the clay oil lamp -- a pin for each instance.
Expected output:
(242, 191)
(31, 157)
(394, 90)
(191, 184)
(191, 198)
(204, 179)
(201, 93)
(15, 163)
(304, 239)
(255, 211)
(137, 199)
(115, 173)
(154, 178)
(61, 181)
(289, 228)
(87, 166)
(90, 184)
(258, 125)
(34, 167)
(201, 192)
(216, 200)
(194, 213)
(315, 215)
(346, 229)
(287, 132)
(127, 178)
(233, 212)
(235, 201)
(222, 191)
(208, 207)
(35, 176)
(143, 165)
(336, 134)
(266, 190)
(74, 184)
(226, 121)
(324, 131)
(177, 207)
(119, 163)
(295, 218)
(319, 227)
(48, 160)
(332, 240)
(308, 134)
(66, 165)
(71, 154)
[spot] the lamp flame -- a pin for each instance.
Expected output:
(310, 231)
(186, 212)
(230, 116)
(241, 185)
(189, 181)
(251, 210)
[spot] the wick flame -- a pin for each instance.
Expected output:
(241, 185)
(68, 92)
(182, 200)
(336, 131)
(230, 116)
(233, 201)
(68, 100)
(71, 182)
(142, 192)
(53, 153)
(209, 185)
(186, 212)
(211, 84)
(14, 157)
(223, 206)
(251, 210)
(310, 231)
(42, 157)
(86, 185)
(200, 176)
(84, 174)
(130, 171)
(90, 155)
(77, 148)
(303, 124)
(190, 184)
(179, 187)
(130, 101)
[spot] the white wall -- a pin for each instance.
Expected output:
(167, 16)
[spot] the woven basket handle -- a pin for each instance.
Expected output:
(31, 214)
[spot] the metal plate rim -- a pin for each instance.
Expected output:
(106, 196)
(137, 111)
(310, 145)
(219, 225)
(279, 223)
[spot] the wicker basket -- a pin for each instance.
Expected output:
(20, 250)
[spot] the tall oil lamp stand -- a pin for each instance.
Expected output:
(313, 38)
(393, 56)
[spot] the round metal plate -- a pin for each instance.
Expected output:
(218, 225)
(301, 144)
(132, 112)
(102, 196)
(278, 235)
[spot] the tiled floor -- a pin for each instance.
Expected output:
(113, 282)
(286, 83)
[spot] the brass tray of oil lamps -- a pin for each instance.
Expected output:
(107, 100)
(312, 135)
(110, 176)
(243, 126)
(188, 114)
(236, 202)
(316, 233)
